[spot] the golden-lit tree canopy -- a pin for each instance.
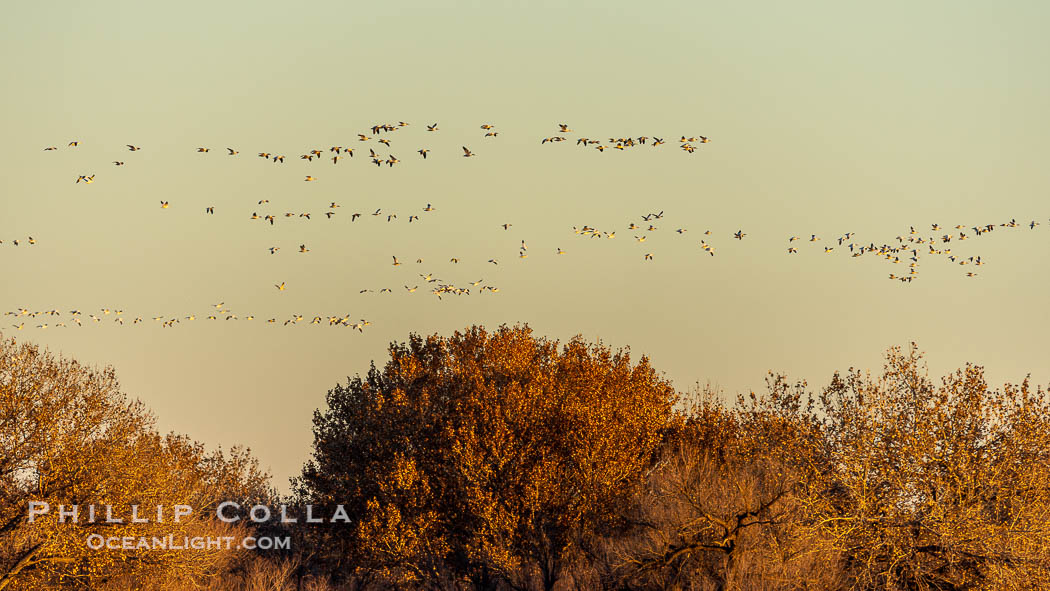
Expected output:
(68, 436)
(936, 487)
(489, 453)
(499, 460)
(878, 483)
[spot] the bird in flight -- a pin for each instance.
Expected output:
(203, 150)
(232, 151)
(163, 204)
(279, 287)
(466, 152)
(132, 148)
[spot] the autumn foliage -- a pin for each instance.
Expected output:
(68, 436)
(501, 460)
(487, 457)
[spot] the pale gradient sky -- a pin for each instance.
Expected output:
(825, 118)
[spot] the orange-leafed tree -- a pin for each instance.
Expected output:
(929, 486)
(68, 436)
(484, 456)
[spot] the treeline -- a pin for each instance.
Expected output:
(505, 461)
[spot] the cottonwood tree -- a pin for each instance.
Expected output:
(68, 436)
(885, 482)
(485, 456)
(925, 486)
(719, 510)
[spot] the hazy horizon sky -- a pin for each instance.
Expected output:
(824, 118)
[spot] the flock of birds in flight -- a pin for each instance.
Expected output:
(907, 250)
